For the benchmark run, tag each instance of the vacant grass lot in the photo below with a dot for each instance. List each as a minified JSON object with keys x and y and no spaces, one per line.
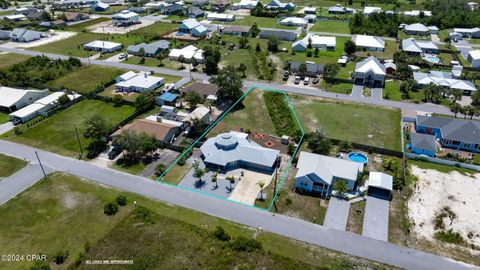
{"x":10,"y":165}
{"x":390,"y":48}
{"x":331,"y":27}
{"x":253,"y":116}
{"x":156,"y":30}
{"x":7,"y":59}
{"x":181,"y":237}
{"x":73,"y":46}
{"x":57,"y":133}
{"x":84,"y":25}
{"x":371,"y":125}
{"x":89,"y":76}
{"x":4,"y":117}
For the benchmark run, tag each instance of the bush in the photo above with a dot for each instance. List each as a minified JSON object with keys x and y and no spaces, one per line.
{"x":449,"y":236}
{"x":288,"y":201}
{"x":181,"y":161}
{"x":110,"y":208}
{"x":221,"y":234}
{"x":61,"y":257}
{"x":242,"y":243}
{"x":280,"y":114}
{"x":121,"y":200}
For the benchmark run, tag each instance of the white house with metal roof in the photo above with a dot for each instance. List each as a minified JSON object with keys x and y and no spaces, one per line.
{"x":367,"y":11}
{"x":419,"y":47}
{"x":233,"y":150}
{"x":192,"y":27}
{"x":294,"y":21}
{"x":380,"y":185}
{"x":12,"y":99}
{"x":187,"y":53}
{"x":316,"y":41}
{"x":417,"y":13}
{"x":125,"y":17}
{"x":474,"y":58}
{"x":25,"y":35}
{"x":370,"y":72}
{"x":467,"y":32}
{"x":339,"y":9}
{"x":137,"y":82}
{"x":369,"y":43}
{"x":102,"y":46}
{"x":318,"y":173}
{"x":245,"y":4}
{"x":416,"y":29}
{"x":444,"y":79}
{"x":222,"y":17}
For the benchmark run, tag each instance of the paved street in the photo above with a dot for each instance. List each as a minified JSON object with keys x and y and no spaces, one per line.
{"x":337,"y":214}
{"x":341,"y":241}
{"x":375,"y":221}
{"x":20,"y":181}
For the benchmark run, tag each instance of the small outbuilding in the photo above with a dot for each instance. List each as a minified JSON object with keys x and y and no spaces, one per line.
{"x":380,"y":185}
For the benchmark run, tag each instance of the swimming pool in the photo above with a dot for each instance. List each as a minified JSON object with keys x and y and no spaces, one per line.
{"x":357,"y":157}
{"x":432,"y":59}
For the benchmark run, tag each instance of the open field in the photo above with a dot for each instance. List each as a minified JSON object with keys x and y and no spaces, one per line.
{"x":10,"y":165}
{"x":4,"y":117}
{"x":331,"y":27}
{"x":57,"y":133}
{"x":156,"y":30}
{"x":390,"y":48}
{"x":84,"y":25}
{"x":78,"y":206}
{"x":262,"y":22}
{"x":90,"y":77}
{"x":359,"y":123}
{"x":7,"y":59}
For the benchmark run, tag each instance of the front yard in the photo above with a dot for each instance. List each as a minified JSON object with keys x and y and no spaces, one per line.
{"x":10,"y":165}
{"x":7,"y":59}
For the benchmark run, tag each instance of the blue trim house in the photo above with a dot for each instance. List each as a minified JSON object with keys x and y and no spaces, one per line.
{"x":423,"y":144}
{"x":452,"y":133}
{"x":276,"y":4}
{"x":167,"y":98}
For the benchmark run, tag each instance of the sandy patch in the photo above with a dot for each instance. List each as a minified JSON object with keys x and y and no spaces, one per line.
{"x":436,"y":190}
{"x":53,"y":38}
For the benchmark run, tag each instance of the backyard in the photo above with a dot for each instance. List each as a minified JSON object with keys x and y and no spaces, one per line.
{"x":57,"y":133}
{"x":10,"y":165}
{"x":78,"y":205}
{"x":353,"y":122}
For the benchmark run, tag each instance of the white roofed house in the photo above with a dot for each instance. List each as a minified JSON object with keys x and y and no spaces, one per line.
{"x":419,"y":47}
{"x":474,"y":58}
{"x":369,"y":43}
{"x":187,"y":53}
{"x":370,"y":72}
{"x":416,"y":13}
{"x":137,"y":82}
{"x":380,"y":185}
{"x":233,"y":150}
{"x":339,"y":9}
{"x":125,"y":18}
{"x":468,"y":32}
{"x":102,"y":46}
{"x":294,"y":21}
{"x":12,"y":99}
{"x":316,"y":41}
{"x":192,"y":27}
{"x":416,"y":29}
{"x":245,"y":4}
{"x":444,"y":79}
{"x":277,"y":4}
{"x":318,"y":173}
{"x":367,"y":11}
{"x":201,"y":113}
{"x":223,"y":17}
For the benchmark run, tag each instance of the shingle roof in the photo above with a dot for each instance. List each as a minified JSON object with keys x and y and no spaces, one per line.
{"x":453,"y":128}
{"x":423,"y":141}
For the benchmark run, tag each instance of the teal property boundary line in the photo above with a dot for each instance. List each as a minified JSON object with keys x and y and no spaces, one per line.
{"x":285,"y":174}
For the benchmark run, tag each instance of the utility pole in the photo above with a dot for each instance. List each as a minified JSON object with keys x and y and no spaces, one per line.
{"x":79,"y":143}
{"x":41,"y":166}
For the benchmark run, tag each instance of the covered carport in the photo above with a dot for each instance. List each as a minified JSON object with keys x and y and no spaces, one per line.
{"x":380,"y":185}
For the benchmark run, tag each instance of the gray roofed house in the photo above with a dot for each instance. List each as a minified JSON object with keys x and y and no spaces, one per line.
{"x":318,"y":173}
{"x":195,"y":12}
{"x":418,"y":47}
{"x":416,"y":29}
{"x":151,"y":50}
{"x":200,"y":3}
{"x":312,"y":69}
{"x":444,"y":79}
{"x":236,"y":30}
{"x":4,"y":34}
{"x":232,"y":150}
{"x":423,"y":144}
{"x":24,"y":35}
{"x":453,"y":133}
{"x":281,"y":34}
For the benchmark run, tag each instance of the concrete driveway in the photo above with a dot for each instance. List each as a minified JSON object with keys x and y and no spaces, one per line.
{"x":375,"y":221}
{"x":357,"y":91}
{"x":6,"y":127}
{"x":248,"y":189}
{"x":377,"y":93}
{"x":337,"y":214}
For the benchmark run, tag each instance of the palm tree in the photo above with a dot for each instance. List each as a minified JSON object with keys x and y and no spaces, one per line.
{"x":470,"y":110}
{"x":198,"y":173}
{"x":455,"y":108}
{"x":231,"y":179}
{"x":195,"y":164}
{"x":261,"y":184}
{"x":214,"y":179}
{"x":341,"y":186}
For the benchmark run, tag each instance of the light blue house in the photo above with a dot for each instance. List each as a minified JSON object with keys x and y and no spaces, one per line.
{"x":100,"y":7}
{"x":423,"y":144}
{"x":452,"y":133}
{"x":276,"y":4}
{"x":233,"y":150}
{"x":192,"y":27}
{"x":318,"y":173}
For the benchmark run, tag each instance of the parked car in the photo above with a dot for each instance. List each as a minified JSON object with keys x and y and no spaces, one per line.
{"x":297,"y":80}
{"x":316,"y":80}
{"x":286,"y":75}
{"x":306,"y":81}
{"x":116,"y":150}
{"x":123,"y":56}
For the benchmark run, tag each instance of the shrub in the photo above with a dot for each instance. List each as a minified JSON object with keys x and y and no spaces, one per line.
{"x":280,"y":114}
{"x":61,"y":257}
{"x":242,"y":243}
{"x":121,"y":200}
{"x":288,"y":201}
{"x":110,"y":208}
{"x":221,"y":234}
{"x":449,"y":236}
{"x":181,"y":161}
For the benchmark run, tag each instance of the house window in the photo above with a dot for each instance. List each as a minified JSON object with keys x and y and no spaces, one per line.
{"x":455,"y":142}
{"x":467,"y":145}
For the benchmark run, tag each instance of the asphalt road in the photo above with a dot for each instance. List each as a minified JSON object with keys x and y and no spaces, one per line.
{"x":428,"y":107}
{"x":341,"y":241}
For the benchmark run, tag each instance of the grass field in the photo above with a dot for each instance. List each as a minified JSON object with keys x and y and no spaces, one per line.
{"x":264,"y":22}
{"x":57,"y":133}
{"x":156,"y":30}
{"x":341,"y":88}
{"x":7,"y":59}
{"x":370,"y":125}
{"x":4,"y":117}
{"x":331,"y":27}
{"x":84,"y":25}
{"x":323,"y":56}
{"x":10,"y":165}
{"x":390,"y":48}
{"x":180,"y":237}
{"x":89,"y":76}
{"x":392,"y":91}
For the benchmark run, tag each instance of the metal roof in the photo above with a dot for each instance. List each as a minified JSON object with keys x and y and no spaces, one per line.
{"x":380,"y":180}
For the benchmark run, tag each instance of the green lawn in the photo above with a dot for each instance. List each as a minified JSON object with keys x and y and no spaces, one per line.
{"x":361,"y":123}
{"x":31,"y":221}
{"x":253,"y":116}
{"x":111,"y":10}
{"x":7,"y":59}
{"x":323,"y":56}
{"x":90,"y":76}
{"x":331,"y":27}
{"x":57,"y":133}
{"x":84,"y":25}
{"x":177,"y":18}
{"x":341,"y":88}
{"x":390,"y":48}
{"x":440,"y":167}
{"x":6,"y":12}
{"x":264,"y":22}
{"x":156,"y":30}
{"x":392,"y":90}
{"x":10,"y":165}
{"x":73,"y":46}
{"x":4,"y":117}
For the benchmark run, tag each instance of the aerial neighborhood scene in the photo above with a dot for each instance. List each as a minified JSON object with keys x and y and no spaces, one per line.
{"x":239,"y":134}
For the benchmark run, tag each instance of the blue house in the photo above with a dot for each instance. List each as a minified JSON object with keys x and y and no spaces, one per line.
{"x":452,"y":133}
{"x":167,"y":98}
{"x":276,"y":4}
{"x":100,"y":7}
{"x":423,"y":144}
{"x":193,"y":27}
